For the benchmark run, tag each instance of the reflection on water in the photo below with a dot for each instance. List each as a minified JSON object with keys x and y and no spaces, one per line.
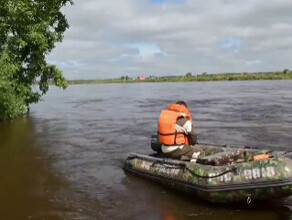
{"x":65,"y":159}
{"x":28,"y":187}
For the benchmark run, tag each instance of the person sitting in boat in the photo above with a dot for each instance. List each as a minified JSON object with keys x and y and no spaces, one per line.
{"x":176,"y":133}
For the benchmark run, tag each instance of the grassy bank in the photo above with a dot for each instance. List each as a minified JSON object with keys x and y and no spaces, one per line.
{"x":199,"y":78}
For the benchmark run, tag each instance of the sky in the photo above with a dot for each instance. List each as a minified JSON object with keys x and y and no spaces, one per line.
{"x":114,"y":38}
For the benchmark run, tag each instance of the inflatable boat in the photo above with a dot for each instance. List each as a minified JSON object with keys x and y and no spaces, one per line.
{"x":224,"y":175}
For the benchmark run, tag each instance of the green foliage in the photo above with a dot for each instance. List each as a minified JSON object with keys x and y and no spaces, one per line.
{"x":200,"y":78}
{"x":285,"y":71}
{"x":11,"y":104}
{"x":189,"y":74}
{"x":29,"y":30}
{"x":124,"y":78}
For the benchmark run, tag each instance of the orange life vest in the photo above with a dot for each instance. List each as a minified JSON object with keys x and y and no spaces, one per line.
{"x":167,"y":133}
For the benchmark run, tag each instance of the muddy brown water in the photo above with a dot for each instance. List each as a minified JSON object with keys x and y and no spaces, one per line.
{"x":63,"y":160}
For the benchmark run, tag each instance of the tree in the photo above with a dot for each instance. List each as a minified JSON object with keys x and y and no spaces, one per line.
{"x":29,"y":30}
{"x":285,"y":71}
{"x":189,"y":74}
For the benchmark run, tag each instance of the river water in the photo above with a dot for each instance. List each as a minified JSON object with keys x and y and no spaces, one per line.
{"x":64,"y":160}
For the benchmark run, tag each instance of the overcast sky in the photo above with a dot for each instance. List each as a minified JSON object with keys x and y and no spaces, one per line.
{"x":111,"y":38}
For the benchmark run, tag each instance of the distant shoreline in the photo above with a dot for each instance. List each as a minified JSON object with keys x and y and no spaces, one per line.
{"x":285,"y":75}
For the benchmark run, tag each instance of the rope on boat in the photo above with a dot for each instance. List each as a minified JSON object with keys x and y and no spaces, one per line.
{"x":232,"y":169}
{"x":185,"y":167}
{"x":287,"y":152}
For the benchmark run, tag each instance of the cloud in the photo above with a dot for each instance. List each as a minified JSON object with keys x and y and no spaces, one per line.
{"x":146,"y":50}
{"x":112,"y":38}
{"x":254,"y":62}
{"x":167,"y":1}
{"x":231,"y":44}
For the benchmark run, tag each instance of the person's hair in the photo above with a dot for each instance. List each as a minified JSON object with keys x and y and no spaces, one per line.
{"x":182,"y":103}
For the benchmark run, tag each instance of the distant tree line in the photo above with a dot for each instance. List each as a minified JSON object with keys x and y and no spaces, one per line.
{"x":189,"y":77}
{"x":124,"y":77}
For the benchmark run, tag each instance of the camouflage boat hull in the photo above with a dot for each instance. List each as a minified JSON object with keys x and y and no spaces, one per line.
{"x":241,"y":181}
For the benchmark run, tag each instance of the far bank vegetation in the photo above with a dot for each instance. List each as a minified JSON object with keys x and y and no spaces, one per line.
{"x":286,"y":74}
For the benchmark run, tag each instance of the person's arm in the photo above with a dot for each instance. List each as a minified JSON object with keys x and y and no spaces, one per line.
{"x":189,"y":130}
{"x":192,"y":137}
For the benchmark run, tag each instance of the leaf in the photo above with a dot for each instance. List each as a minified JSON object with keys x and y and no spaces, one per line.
{"x":29,"y":30}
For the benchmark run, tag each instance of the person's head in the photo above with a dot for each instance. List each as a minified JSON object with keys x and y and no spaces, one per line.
{"x":182,"y":103}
